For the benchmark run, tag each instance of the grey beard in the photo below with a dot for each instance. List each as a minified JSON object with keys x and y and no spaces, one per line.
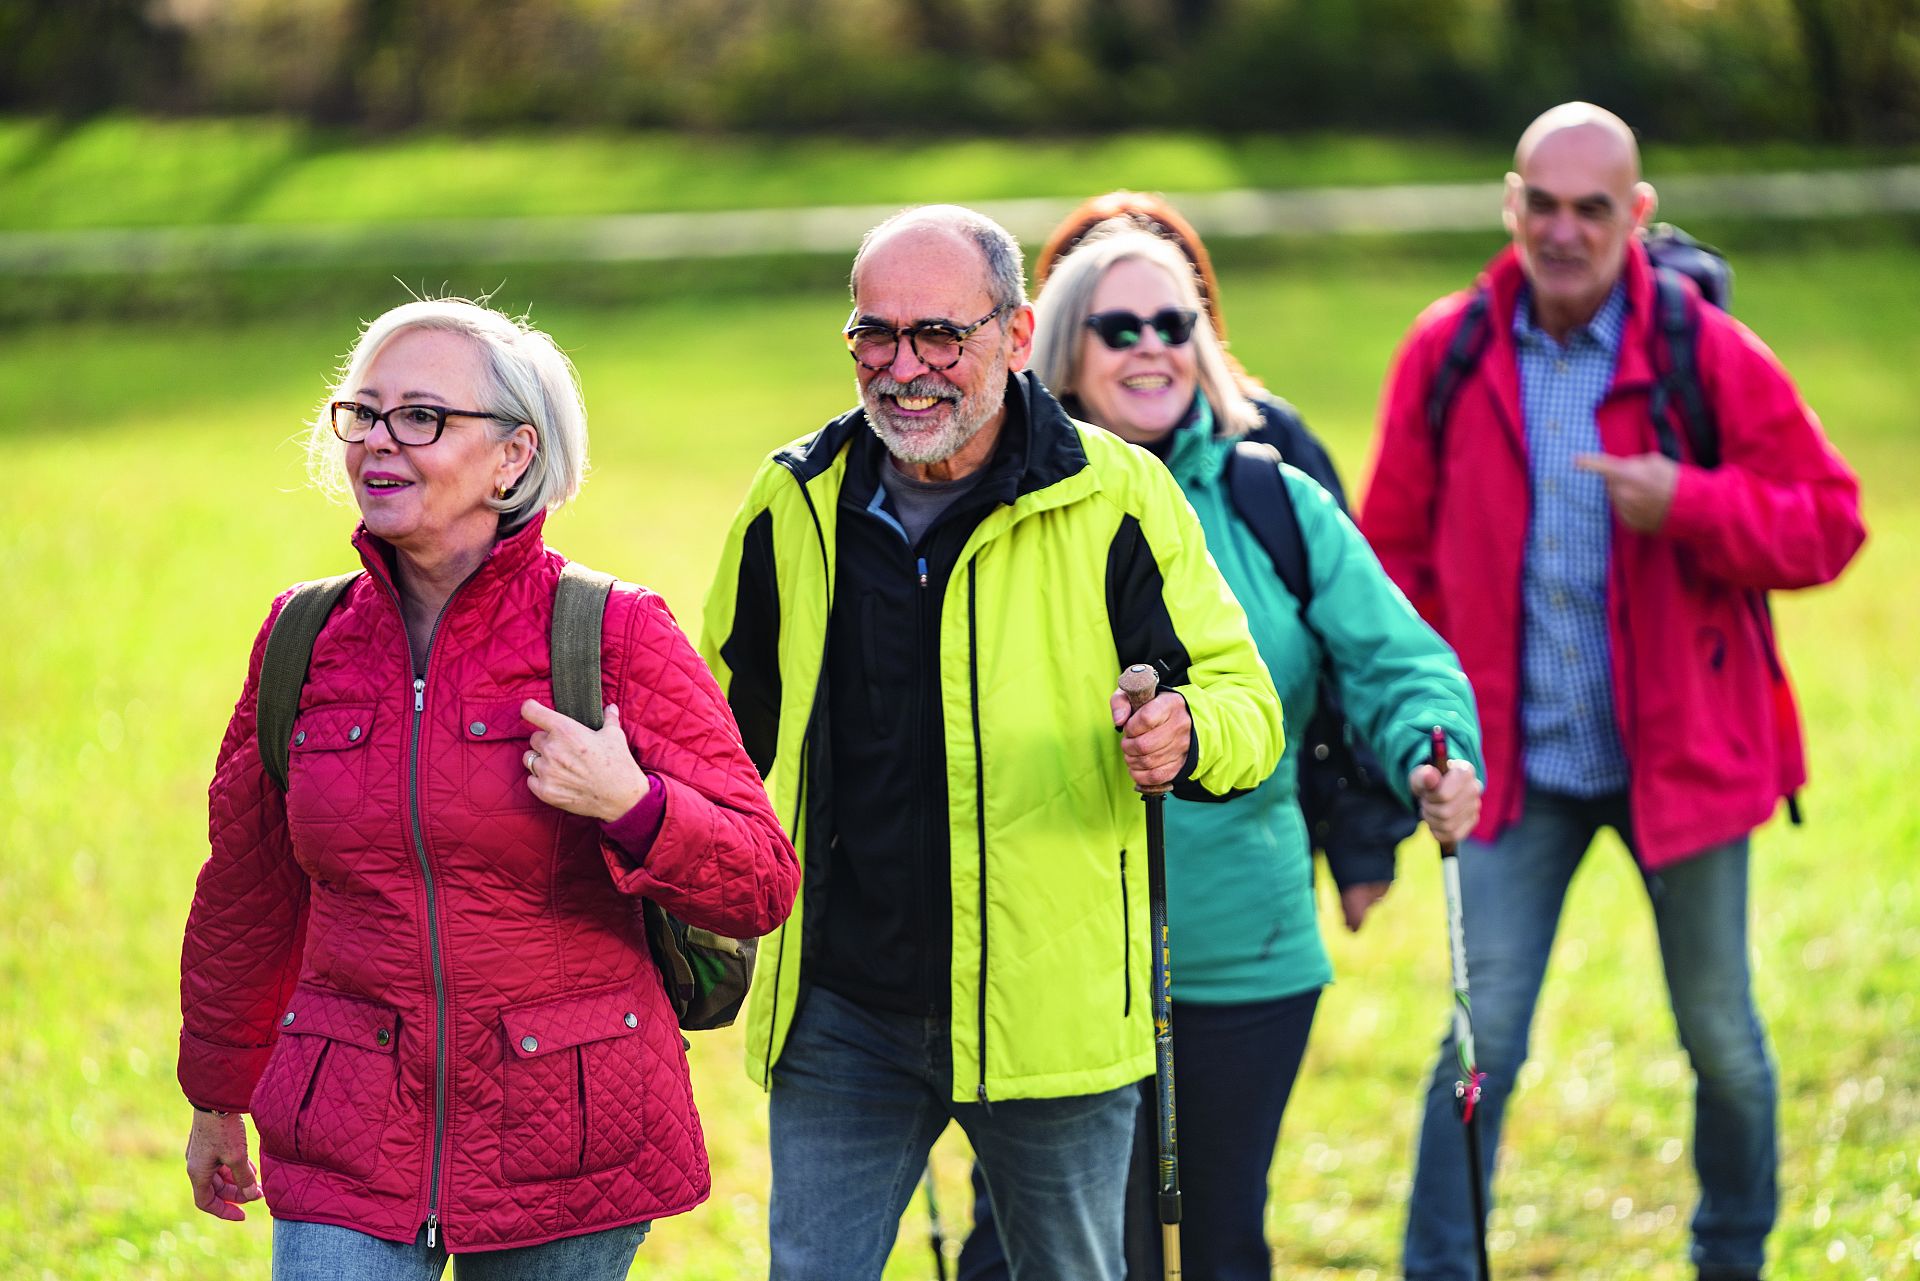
{"x":970,"y":413}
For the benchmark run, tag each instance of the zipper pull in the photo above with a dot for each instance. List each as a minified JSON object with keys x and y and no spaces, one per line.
{"x":433,"y":1230}
{"x":923,"y":571}
{"x":981,"y":1094}
{"x":420,"y":700}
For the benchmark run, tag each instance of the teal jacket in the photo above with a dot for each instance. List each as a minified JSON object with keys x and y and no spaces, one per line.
{"x":1243,"y":928}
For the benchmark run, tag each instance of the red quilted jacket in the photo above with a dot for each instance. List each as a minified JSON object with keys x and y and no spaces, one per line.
{"x":426,"y":985}
{"x":1701,"y":700}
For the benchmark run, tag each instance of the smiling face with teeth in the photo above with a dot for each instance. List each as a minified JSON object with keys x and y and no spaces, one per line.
{"x":430,"y":501}
{"x":1144,"y":392}
{"x":937,"y":424}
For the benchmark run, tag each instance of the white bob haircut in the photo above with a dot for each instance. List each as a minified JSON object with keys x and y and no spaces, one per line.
{"x":1060,"y":318}
{"x":528,"y":379}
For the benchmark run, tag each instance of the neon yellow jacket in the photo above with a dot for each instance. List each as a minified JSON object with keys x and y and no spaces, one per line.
{"x":1097,"y":561}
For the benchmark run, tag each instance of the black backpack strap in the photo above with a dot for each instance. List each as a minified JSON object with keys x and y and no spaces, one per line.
{"x":283,"y":668}
{"x":1677,"y":378}
{"x":1282,"y":427}
{"x":579,"y":609}
{"x":1259,"y":493}
{"x":1463,"y":353}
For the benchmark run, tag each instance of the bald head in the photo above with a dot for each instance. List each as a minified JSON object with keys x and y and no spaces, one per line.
{"x":1001,"y":267}
{"x":1604,"y":134}
{"x":1574,"y":202}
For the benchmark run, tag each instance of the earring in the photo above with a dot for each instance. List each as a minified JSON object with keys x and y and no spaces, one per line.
{"x":499,"y":491}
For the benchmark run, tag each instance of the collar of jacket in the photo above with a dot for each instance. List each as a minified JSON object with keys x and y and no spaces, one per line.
{"x":1503,"y":277}
{"x":511,"y":553}
{"x":1046,"y":458}
{"x":1197,"y":454}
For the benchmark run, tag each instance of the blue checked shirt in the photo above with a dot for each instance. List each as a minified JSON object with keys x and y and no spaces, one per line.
{"x":1571,"y":742}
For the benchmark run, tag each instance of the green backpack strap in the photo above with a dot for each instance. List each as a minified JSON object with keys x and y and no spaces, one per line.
{"x":283,"y":670}
{"x":579,"y":609}
{"x":706,"y":974}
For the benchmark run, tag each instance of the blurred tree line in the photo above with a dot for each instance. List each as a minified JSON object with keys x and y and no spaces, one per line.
{"x":1839,"y":70}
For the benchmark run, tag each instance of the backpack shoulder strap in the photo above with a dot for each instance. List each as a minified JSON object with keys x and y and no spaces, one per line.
{"x":283,"y":668}
{"x":1463,"y":353}
{"x":579,"y":610}
{"x":1677,"y":325}
{"x":1259,"y":493}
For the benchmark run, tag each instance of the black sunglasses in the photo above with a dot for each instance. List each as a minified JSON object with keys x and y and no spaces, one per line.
{"x":1123,"y":329}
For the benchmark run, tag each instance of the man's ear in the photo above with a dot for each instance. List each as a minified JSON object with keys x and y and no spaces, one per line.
{"x":1020,"y":330}
{"x":1645,"y":202}
{"x":1510,"y":204}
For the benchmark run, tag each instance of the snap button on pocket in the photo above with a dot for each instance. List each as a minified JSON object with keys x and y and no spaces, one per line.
{"x":529,"y":1043}
{"x":632,"y":1020}
{"x":300,"y":738}
{"x":477,"y":729}
{"x":382,"y":1036}
{"x":286,"y":1020}
{"x":353,"y":735}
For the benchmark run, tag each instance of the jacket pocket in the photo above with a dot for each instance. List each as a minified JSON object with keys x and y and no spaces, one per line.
{"x":327,"y":762}
{"x":328,"y":1090}
{"x":576,"y":1084}
{"x":493,"y":752}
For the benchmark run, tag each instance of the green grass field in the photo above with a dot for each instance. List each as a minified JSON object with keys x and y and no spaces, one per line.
{"x":127,"y":172}
{"x":159,"y":504}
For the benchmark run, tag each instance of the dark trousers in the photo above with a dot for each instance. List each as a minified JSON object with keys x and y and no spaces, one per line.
{"x":1234,"y":1068}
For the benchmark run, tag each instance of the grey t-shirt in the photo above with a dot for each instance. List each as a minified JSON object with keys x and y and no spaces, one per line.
{"x":916,"y":504}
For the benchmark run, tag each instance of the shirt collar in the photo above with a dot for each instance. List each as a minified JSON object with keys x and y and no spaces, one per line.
{"x":1604,"y":329}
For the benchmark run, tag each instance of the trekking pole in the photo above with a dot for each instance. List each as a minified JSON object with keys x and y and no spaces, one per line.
{"x":1140,"y":683}
{"x":935,"y":1237}
{"x":1466,"y":1090}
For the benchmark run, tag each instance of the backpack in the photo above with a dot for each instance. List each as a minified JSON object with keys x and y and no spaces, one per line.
{"x":1676,"y":331}
{"x":1351,"y":808}
{"x":706,"y":974}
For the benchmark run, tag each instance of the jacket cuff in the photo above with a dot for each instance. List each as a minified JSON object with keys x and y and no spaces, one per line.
{"x":1690,"y":513}
{"x":633,"y":833}
{"x":218,"y":1076}
{"x":1350,"y":867}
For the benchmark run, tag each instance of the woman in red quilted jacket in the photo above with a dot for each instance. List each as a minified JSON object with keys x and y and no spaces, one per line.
{"x":418,"y":966}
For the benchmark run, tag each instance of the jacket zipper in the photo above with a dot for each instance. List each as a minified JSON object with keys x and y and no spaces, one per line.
{"x":1126,"y":943}
{"x":806,"y":742}
{"x":433,"y":908}
{"x":920,"y":740}
{"x":980,"y":822}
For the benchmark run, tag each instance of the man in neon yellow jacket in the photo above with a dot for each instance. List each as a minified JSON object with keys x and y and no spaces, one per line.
{"x":918,"y":620}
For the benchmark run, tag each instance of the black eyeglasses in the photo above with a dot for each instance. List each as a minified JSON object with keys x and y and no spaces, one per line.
{"x":407,"y":424}
{"x":935,"y":343}
{"x":1121,"y":330}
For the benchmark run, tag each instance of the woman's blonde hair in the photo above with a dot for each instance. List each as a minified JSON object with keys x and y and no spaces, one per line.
{"x":1066,"y":300}
{"x":528,"y":379}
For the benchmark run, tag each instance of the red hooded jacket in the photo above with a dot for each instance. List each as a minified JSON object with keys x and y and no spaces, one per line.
{"x":428,"y":986}
{"x":1704,"y":710}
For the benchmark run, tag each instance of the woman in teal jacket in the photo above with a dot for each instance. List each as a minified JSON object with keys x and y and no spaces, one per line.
{"x":1123,"y":338}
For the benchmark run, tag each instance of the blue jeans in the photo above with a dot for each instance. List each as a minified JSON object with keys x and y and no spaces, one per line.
{"x":323,"y":1252}
{"x":860,"y":1095}
{"x":1234,"y":1066}
{"x":1512,"y":892}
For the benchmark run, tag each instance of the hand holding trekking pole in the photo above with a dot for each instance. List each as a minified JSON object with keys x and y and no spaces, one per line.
{"x":1138,"y":686}
{"x":1448,"y":793}
{"x":1436,"y":774}
{"x":1155,"y":732}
